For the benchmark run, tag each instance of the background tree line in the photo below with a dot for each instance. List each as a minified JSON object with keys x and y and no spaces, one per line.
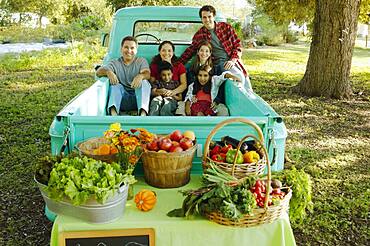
{"x":333,"y":25}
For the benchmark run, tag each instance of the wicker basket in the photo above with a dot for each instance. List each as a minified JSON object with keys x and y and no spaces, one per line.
{"x":264,"y":215}
{"x":87,"y":148}
{"x":237,"y":170}
{"x":168,"y":170}
{"x":259,"y":216}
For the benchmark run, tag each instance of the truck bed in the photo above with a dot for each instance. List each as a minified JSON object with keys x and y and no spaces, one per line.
{"x":85,"y":117}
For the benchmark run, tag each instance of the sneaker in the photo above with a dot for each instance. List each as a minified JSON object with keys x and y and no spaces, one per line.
{"x":143,"y":113}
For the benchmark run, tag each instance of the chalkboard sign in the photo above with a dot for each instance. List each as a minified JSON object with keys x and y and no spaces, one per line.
{"x":124,"y":237}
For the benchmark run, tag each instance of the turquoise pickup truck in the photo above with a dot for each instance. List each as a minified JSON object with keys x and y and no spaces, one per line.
{"x":85,"y":116}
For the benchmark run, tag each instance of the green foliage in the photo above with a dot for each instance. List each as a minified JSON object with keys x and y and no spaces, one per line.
{"x":79,"y":178}
{"x":270,"y":34}
{"x":77,"y":31}
{"x":59,"y":11}
{"x":117,"y":4}
{"x":237,"y":25}
{"x":364,"y":12}
{"x":283,"y":11}
{"x":76,"y":56}
{"x":218,"y":196}
{"x":301,"y":185}
{"x":44,"y":167}
{"x":301,"y":11}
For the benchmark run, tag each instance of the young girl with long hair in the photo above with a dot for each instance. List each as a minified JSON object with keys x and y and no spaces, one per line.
{"x":201,"y":95}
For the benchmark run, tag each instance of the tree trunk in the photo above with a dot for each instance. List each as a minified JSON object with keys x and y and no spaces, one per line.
{"x":40,"y":20}
{"x":329,"y":63}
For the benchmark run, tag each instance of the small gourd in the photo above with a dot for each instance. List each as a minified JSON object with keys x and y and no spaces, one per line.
{"x":145,"y":200}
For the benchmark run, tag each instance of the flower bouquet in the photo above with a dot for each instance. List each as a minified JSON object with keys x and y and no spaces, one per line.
{"x":130,"y":144}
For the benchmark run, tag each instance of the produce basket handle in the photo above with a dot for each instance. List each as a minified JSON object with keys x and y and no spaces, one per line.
{"x":259,"y":139}
{"x":224,"y":123}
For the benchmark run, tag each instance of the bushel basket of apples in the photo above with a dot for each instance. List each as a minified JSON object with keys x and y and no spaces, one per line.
{"x":238,"y":158}
{"x":168,"y":159}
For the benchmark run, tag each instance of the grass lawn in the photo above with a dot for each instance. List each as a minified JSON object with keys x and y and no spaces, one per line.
{"x":330,"y":139}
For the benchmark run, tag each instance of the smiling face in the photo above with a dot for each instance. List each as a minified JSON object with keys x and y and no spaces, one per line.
{"x":204,"y":53}
{"x":166,"y":75}
{"x":208,"y":20}
{"x":129,"y":50}
{"x":166,"y":53}
{"x":203,"y":77}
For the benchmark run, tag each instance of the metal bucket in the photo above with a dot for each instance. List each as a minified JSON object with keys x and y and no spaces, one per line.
{"x":91,"y":211}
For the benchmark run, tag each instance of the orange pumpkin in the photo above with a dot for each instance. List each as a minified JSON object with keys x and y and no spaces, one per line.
{"x":103,"y":149}
{"x":145,"y":200}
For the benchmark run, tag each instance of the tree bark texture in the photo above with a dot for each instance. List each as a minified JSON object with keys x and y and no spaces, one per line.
{"x":329,"y":63}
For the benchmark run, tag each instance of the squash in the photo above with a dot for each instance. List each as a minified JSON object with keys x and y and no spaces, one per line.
{"x":145,"y":200}
{"x":113,"y":150}
{"x":103,"y":149}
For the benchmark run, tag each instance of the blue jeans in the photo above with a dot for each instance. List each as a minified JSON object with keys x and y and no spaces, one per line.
{"x":127,"y":100}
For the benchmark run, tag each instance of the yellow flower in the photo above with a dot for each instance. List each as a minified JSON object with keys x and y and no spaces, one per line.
{"x":145,"y":136}
{"x":109,"y":134}
{"x":115,"y":127}
{"x":133,"y":159}
{"x":115,"y":141}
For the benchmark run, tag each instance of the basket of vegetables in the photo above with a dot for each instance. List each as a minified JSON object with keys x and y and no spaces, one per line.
{"x":98,"y":148}
{"x":228,"y":200}
{"x":238,"y":158}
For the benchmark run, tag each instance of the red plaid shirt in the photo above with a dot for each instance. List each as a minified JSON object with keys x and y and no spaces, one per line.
{"x":227,"y":37}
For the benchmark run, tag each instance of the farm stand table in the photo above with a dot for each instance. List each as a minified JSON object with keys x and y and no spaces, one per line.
{"x":179,"y":231}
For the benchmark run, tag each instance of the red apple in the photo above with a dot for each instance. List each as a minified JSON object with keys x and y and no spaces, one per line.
{"x":186,"y":143}
{"x":165,"y":144}
{"x":153,"y":146}
{"x":175,"y":143}
{"x":176,"y":149}
{"x":176,"y":136}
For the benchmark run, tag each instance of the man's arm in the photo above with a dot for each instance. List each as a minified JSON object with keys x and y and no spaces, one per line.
{"x":144,"y":74}
{"x":102,"y":71}
{"x":189,"y":52}
{"x":236,"y":52}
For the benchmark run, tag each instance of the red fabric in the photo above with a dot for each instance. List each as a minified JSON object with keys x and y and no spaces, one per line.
{"x":201,"y":106}
{"x":202,"y":96}
{"x":227,"y":36}
{"x":177,"y":70}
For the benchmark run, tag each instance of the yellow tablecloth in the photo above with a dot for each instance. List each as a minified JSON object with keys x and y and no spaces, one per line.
{"x":180,"y":231}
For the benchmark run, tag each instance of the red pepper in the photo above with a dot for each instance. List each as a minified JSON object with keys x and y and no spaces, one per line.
{"x":216,"y":150}
{"x":226,"y":148}
{"x":217,"y":157}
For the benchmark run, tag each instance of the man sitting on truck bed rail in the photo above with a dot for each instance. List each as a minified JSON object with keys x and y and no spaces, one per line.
{"x":129,"y":86}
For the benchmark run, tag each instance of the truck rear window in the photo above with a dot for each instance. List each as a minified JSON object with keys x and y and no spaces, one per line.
{"x":155,"y":31}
